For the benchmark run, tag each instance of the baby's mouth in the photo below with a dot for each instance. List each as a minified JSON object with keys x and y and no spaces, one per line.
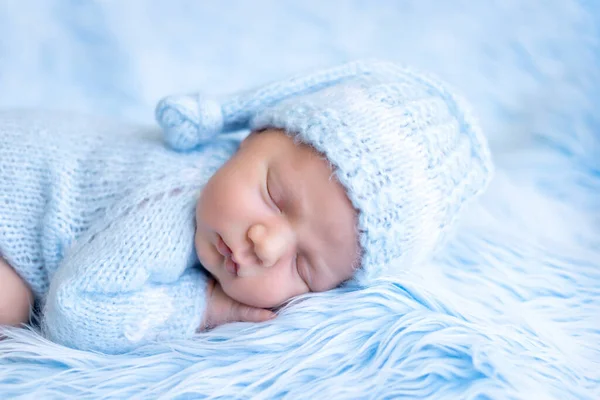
{"x":230,"y":265}
{"x":222,"y":247}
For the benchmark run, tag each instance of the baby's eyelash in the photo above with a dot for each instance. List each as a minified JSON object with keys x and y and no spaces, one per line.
{"x":271,"y":198}
{"x":304,"y":278}
{"x":297,"y":265}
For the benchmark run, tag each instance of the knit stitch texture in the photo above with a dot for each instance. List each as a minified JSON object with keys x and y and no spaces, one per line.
{"x":114,"y":208}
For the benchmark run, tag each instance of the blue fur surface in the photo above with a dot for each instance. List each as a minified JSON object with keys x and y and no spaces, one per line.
{"x":511,"y":309}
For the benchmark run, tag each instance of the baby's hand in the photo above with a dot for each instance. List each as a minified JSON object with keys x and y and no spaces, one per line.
{"x":222,"y":309}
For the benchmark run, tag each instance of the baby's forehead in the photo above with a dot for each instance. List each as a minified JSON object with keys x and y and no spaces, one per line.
{"x":278,"y":142}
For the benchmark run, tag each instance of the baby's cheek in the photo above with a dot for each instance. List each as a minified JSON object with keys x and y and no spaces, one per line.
{"x":207,"y":254}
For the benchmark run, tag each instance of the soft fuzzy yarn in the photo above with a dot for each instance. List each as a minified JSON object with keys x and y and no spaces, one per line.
{"x":114,"y":208}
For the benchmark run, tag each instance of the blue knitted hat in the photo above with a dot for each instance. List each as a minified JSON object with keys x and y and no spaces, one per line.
{"x":406,"y":148}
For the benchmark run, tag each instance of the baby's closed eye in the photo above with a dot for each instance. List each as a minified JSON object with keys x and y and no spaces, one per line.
{"x":274,"y":193}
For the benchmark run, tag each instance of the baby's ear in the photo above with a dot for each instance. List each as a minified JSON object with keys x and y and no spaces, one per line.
{"x":189,"y":121}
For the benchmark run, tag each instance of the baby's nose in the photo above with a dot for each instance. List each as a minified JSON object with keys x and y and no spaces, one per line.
{"x":270,"y":244}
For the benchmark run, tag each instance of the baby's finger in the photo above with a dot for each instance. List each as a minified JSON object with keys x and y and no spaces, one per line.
{"x":253,"y":314}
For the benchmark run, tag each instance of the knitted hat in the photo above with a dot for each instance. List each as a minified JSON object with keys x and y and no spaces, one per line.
{"x":406,"y":148}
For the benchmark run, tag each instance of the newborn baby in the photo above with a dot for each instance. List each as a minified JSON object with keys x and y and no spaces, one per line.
{"x":351,"y":173}
{"x":293,"y":233}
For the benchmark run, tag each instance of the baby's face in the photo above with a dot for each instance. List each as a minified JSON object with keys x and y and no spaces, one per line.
{"x":274,"y":223}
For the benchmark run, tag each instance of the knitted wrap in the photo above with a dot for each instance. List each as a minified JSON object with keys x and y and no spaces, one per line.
{"x":405,"y":147}
{"x":98,"y":218}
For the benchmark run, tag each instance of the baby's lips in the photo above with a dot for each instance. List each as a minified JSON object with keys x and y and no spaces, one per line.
{"x":222,"y":247}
